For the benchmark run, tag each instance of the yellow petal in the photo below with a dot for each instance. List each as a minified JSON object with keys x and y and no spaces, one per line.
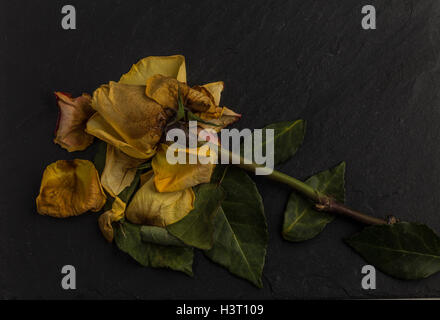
{"x":170,"y":66}
{"x":72,"y":117}
{"x":127,"y":118}
{"x":99,"y":128}
{"x":150,"y":207}
{"x":220,"y":116}
{"x":164,"y":90}
{"x":220,"y":123}
{"x":119,"y":171}
{"x":174,"y":177}
{"x":215,"y":88}
{"x":70,"y":188}
{"x":230,"y":113}
{"x":227,"y":117}
{"x":107,"y":218}
{"x":199,"y":99}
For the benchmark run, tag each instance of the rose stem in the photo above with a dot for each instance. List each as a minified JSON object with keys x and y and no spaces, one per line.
{"x":322,"y":201}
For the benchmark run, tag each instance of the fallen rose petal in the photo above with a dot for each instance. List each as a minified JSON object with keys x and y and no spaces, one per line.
{"x":169,"y":66}
{"x":70,"y":188}
{"x":150,"y":207}
{"x":72,"y":118}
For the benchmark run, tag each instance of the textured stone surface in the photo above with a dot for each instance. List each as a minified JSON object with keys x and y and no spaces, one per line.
{"x":370,"y":98}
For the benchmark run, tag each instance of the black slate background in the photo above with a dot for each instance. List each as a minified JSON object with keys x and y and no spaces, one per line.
{"x":370,"y":98}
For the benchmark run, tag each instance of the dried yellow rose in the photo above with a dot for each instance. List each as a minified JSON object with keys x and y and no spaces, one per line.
{"x":125,"y":117}
{"x":70,"y":188}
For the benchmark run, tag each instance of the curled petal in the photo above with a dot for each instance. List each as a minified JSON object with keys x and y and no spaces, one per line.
{"x":165,"y":90}
{"x":227,"y":117}
{"x":98,"y":127}
{"x":220,"y":116}
{"x":107,"y":218}
{"x":119,"y":171}
{"x":230,"y":113}
{"x":170,"y":66}
{"x":70,"y":188}
{"x":215,"y":89}
{"x":174,"y":177}
{"x":127,"y":118}
{"x":150,"y":207}
{"x":199,"y":99}
{"x":72,"y":118}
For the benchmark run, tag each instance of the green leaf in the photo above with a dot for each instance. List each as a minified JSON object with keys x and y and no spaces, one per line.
{"x":301,"y":220}
{"x":160,"y":236}
{"x":99,"y":160}
{"x":403,"y":250}
{"x":288,"y":137}
{"x":126,"y":194}
{"x":128,"y":239}
{"x":197,"y":228}
{"x":240,"y":237}
{"x":181,"y":111}
{"x":218,"y":173}
{"x":144,"y":166}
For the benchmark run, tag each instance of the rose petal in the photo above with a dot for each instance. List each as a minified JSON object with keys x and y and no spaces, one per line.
{"x":216,"y":89}
{"x":174,"y":177}
{"x":164,"y":90}
{"x":99,"y":128}
{"x":170,"y":66}
{"x":72,"y":119}
{"x":119,"y":171}
{"x":220,"y":116}
{"x":199,"y":99}
{"x":106,"y":219}
{"x":127,"y":118}
{"x":226,"y":118}
{"x":150,"y":207}
{"x":70,"y":188}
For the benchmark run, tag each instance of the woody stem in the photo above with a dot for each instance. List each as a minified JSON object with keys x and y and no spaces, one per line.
{"x":322,"y":201}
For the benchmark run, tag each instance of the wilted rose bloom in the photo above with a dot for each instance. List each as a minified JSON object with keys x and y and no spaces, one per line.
{"x":131,"y":116}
